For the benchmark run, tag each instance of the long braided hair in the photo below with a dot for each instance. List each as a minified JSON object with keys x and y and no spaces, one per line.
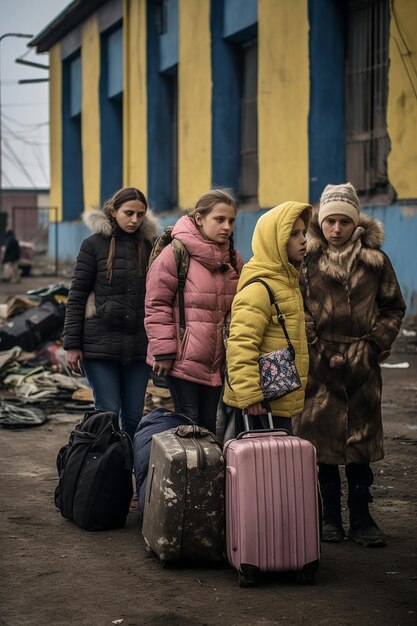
{"x":206,"y":203}
{"x":121,"y":196}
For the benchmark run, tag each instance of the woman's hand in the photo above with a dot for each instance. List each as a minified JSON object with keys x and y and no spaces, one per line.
{"x":75,"y":361}
{"x":161,"y":368}
{"x":256,"y":409}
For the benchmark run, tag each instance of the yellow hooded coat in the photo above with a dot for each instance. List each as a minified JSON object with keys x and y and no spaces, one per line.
{"x":254,"y":328}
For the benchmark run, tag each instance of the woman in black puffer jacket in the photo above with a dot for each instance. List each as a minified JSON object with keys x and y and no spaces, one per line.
{"x":104,"y":333}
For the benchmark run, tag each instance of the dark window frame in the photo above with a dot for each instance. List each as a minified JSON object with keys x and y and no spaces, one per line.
{"x":111,"y":115}
{"x":249,"y":167}
{"x":366,"y":98}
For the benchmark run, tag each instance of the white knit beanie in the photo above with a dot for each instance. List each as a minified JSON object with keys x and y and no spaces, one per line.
{"x":341,"y":200}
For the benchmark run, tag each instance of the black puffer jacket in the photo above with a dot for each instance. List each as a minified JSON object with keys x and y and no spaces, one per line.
{"x":105,"y":320}
{"x":12,"y":250}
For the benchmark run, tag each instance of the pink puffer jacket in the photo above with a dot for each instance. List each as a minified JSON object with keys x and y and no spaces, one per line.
{"x":208,"y":295}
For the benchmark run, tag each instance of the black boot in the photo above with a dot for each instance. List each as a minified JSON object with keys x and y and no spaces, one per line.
{"x":332,"y":528}
{"x":363,"y":528}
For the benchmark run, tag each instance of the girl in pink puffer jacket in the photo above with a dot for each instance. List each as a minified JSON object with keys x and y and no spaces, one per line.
{"x":193,"y":365}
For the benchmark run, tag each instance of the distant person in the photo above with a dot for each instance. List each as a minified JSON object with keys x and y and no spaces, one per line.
{"x":104,"y":332}
{"x":11,"y":271}
{"x":193,"y":364}
{"x":353,"y":308}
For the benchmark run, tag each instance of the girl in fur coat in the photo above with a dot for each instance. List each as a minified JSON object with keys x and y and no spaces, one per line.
{"x":353,"y":308}
{"x":104,"y":332}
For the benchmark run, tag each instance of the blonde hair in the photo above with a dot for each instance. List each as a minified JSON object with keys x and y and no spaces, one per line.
{"x":121,"y":196}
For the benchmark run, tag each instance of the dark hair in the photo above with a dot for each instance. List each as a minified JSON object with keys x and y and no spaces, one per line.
{"x":206,"y":203}
{"x":126,"y":194}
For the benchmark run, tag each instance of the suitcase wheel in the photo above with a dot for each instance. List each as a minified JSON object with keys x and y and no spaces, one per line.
{"x":306,"y":575}
{"x":305,"y":578}
{"x":247,"y":575}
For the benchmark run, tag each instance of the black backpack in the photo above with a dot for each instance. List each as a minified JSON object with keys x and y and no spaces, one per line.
{"x":95,"y":473}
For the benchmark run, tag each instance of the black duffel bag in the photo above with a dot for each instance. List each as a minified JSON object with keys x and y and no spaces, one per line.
{"x":95,"y":473}
{"x":33,"y":327}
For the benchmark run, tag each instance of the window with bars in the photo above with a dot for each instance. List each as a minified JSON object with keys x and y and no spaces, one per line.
{"x":367,"y":141}
{"x":248,"y":184}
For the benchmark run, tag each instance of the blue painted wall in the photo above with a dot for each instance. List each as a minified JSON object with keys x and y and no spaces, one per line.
{"x":114,"y":52}
{"x":111,"y":113}
{"x":70,"y":236}
{"x":327,"y":93}
{"x":74,"y":66}
{"x":168,"y":41}
{"x":240,"y":19}
{"x":400,"y":226}
{"x":72,"y":176}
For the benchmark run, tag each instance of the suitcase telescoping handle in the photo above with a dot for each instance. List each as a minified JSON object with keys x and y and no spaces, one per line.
{"x":268,"y":431}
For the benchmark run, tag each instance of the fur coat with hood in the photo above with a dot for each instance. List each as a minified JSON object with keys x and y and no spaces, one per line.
{"x":254,"y":328}
{"x":209,"y":289}
{"x":106,"y":319}
{"x":354,"y":309}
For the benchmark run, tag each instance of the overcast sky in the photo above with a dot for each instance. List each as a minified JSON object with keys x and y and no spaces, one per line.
{"x":24,"y":108}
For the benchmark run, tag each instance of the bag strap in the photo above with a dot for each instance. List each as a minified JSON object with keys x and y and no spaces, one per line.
{"x":273,"y":302}
{"x":182,"y":259}
{"x":196,"y":432}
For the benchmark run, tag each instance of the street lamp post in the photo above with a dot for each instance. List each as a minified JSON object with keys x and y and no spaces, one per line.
{"x":20,"y":35}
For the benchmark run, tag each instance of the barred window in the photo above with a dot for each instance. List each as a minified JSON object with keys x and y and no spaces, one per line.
{"x":367,"y":141}
{"x":248,"y":185}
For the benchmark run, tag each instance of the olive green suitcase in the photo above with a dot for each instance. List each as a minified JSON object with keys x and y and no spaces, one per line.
{"x":184,"y":506}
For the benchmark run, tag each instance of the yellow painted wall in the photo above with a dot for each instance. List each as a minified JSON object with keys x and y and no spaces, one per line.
{"x":55,"y":130}
{"x":135,"y":171}
{"x":90,"y":111}
{"x":283,"y":101}
{"x":194,"y":101}
{"x":402,"y":101}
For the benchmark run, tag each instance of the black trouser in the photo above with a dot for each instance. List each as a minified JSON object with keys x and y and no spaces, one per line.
{"x":356,"y":474}
{"x":196,"y":401}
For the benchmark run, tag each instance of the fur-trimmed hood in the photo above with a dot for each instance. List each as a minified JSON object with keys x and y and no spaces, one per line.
{"x":364,"y":246}
{"x":98,"y":222}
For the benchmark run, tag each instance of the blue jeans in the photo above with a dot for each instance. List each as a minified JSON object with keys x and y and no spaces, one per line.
{"x":196,"y":401}
{"x":119,"y":388}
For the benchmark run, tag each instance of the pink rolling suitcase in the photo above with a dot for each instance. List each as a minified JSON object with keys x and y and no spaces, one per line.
{"x":272,"y":505}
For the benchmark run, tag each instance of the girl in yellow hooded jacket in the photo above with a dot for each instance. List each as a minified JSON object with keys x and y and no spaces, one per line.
{"x":278,"y":245}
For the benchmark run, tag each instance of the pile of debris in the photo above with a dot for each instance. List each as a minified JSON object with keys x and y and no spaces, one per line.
{"x":32,"y":388}
{"x":34,"y":379}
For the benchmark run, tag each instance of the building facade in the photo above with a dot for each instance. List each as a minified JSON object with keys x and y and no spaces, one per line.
{"x":272,"y":98}
{"x":25,"y":211}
